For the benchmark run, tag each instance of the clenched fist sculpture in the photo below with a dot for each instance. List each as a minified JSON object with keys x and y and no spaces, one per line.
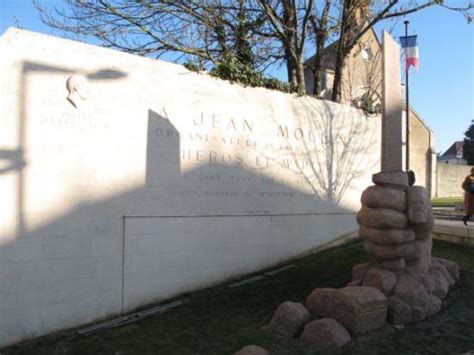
{"x":396,"y":221}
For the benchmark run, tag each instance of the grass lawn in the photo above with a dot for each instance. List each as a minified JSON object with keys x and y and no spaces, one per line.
{"x":222,"y":320}
{"x":446,"y":201}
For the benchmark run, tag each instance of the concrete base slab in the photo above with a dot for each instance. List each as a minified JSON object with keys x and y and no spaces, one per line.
{"x":454,"y":232}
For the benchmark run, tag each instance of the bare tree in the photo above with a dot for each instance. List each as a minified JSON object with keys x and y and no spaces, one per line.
{"x":288,"y":20}
{"x":351,"y":29}
{"x":259,"y":33}
{"x":321,"y":30}
{"x":207,"y":31}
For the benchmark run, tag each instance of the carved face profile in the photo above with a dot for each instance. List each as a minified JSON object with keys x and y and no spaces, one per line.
{"x":78,"y":88}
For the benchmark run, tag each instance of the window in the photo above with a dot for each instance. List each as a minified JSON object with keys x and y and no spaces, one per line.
{"x":367,"y":54}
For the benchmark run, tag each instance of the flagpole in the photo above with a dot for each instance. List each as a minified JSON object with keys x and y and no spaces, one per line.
{"x":407,"y":109}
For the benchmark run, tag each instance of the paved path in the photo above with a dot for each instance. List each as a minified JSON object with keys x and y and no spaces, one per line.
{"x":455,"y":223}
{"x":454,"y":231}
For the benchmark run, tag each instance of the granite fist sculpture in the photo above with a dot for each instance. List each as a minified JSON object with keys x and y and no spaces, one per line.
{"x":396,"y":221}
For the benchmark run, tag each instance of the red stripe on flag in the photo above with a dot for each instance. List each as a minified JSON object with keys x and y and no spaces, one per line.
{"x":411,"y":61}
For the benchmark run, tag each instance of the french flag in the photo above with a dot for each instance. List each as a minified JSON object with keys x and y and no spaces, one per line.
{"x":410,"y":48}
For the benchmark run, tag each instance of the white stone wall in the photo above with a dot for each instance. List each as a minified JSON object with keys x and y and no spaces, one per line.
{"x":450,"y":178}
{"x":161,"y":181}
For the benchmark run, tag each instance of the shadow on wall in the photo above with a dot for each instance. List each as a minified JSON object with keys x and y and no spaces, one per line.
{"x":14,"y":159}
{"x":182,"y":229}
{"x":332,"y":151}
{"x":342,"y":151}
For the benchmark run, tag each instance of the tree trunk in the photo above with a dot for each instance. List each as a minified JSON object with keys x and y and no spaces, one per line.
{"x":317,"y":67}
{"x":320,"y":28}
{"x":290,"y":45}
{"x":337,"y":85}
{"x":291,"y":68}
{"x":300,"y":75}
{"x":342,"y":51}
{"x":295,"y":67}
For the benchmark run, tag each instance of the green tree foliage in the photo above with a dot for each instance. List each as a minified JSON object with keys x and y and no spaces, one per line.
{"x":235,"y":71}
{"x":468,"y":148}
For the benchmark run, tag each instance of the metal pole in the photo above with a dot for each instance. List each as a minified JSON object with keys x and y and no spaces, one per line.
{"x":123,"y":263}
{"x":407,"y":109}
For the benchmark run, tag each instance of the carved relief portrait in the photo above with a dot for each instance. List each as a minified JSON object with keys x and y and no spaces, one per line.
{"x":78,"y":88}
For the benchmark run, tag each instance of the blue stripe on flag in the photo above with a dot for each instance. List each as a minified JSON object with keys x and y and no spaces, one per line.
{"x":408,"y":41}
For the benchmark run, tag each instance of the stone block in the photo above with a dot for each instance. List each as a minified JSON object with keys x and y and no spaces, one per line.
{"x":288,"y":320}
{"x":418,"y":313}
{"x":359,"y":309}
{"x":398,"y":311}
{"x":441,"y":284}
{"x":384,"y":197}
{"x":252,"y":350}
{"x":435,"y":305}
{"x":427,"y":280}
{"x":325,"y":332}
{"x":381,"y":279}
{"x":450,"y":266}
{"x":358,"y":272}
{"x":401,"y":313}
{"x":319,"y":300}
{"x":416,"y":296}
{"x":440,"y":267}
{"x":410,"y":291}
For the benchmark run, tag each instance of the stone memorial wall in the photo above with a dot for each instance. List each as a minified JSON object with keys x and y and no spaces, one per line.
{"x":126,"y":181}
